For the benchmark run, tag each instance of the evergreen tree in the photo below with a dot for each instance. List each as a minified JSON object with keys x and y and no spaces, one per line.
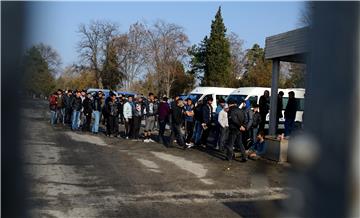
{"x":111,"y":75}
{"x":38,"y":78}
{"x":218,"y":58}
{"x":198,"y":54}
{"x":258,"y":69}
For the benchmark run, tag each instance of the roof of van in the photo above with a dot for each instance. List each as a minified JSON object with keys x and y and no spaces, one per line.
{"x":249,"y":90}
{"x":212,"y":90}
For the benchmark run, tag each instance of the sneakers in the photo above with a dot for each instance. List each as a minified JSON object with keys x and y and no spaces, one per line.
{"x":146,"y":140}
{"x":150,"y":140}
{"x":189,"y":145}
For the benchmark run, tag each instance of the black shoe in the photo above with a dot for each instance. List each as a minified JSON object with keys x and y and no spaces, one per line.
{"x":243,"y":160}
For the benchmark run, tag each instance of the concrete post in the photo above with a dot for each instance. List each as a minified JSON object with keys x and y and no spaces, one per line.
{"x":273,"y":98}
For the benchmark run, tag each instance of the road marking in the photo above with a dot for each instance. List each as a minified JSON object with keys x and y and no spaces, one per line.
{"x":87,"y":138}
{"x":195,"y":168}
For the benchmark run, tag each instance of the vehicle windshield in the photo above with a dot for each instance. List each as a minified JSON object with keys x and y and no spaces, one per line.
{"x":237,"y":98}
{"x":194,"y":97}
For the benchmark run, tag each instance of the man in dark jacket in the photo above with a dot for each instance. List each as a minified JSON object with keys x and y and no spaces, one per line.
{"x":279,"y":109}
{"x":112,"y":110}
{"x":237,"y":126}
{"x":96,"y":108}
{"x":76,"y":106}
{"x":207,"y":120}
{"x":163,"y":118}
{"x":198,"y":121}
{"x":177,"y":117}
{"x":264,"y":105}
{"x":87,"y":104}
{"x":290,"y":114}
{"x":138,"y":112}
{"x":151,"y":109}
{"x":67,"y":104}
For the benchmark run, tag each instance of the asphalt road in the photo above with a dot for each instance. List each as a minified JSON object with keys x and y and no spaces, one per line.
{"x":75,"y":174}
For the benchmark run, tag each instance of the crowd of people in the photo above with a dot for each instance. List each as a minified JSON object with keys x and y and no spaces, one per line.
{"x":232,"y":125}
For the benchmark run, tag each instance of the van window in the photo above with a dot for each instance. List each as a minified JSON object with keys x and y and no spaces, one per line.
{"x":207,"y":97}
{"x":253,"y":100}
{"x":218,"y":97}
{"x":299,"y":102}
{"x":237,"y":98}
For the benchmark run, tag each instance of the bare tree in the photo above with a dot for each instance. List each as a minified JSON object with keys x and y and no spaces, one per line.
{"x":131,"y":53}
{"x":93,"y":43}
{"x":167,"y":45}
{"x":51,"y":56}
{"x":237,"y":54}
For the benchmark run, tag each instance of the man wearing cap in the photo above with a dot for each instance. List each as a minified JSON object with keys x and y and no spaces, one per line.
{"x":237,"y":126}
{"x":189,"y":122}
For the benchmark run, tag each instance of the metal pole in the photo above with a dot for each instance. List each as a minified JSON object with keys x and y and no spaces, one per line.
{"x":273,"y":97}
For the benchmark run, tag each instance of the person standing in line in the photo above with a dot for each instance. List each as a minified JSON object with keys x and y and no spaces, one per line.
{"x":220,"y":106}
{"x":137,"y":116}
{"x":177,"y":113}
{"x":67,"y":103}
{"x":256,"y":122}
{"x":290,"y":114}
{"x":128,"y":114}
{"x":207,"y":118}
{"x":112,"y":109}
{"x":60,"y":107}
{"x":52,"y":106}
{"x":82,"y":115}
{"x":122,"y":101}
{"x":279,"y":109}
{"x":198,"y":117}
{"x":246,"y":109}
{"x":189,"y":122}
{"x":237,"y":126}
{"x":163,"y":118}
{"x":264,"y":105}
{"x":96,"y":107}
{"x":87,"y":105}
{"x":76,"y":106}
{"x":224,"y":127}
{"x":151,"y":109}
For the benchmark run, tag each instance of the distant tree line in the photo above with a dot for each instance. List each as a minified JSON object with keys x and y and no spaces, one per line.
{"x":155,"y":57}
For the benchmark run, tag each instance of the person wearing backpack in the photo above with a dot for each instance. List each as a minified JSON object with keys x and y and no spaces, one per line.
{"x":52,"y":107}
{"x":237,"y":126}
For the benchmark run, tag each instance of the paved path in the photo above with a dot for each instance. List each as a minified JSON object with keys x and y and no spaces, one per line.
{"x":74,"y":174}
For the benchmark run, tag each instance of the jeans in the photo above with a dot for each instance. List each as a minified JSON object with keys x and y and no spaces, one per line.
{"x":235,"y":140}
{"x":162,"y":125}
{"x":95,"y":127}
{"x":128,"y":124}
{"x":197,"y":133}
{"x":289,"y":126}
{"x":60,"y":113}
{"x":176,"y":133}
{"x":224,"y":135}
{"x":75,"y":120}
{"x":189,"y":125}
{"x":52,"y":117}
{"x":254,"y":134}
{"x":112,"y":125}
{"x":136,"y":127}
